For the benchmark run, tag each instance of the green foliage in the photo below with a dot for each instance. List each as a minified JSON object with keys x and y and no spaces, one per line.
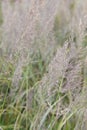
{"x":34,"y":71}
{"x":85,"y":41}
{"x":13,"y":111}
{"x":59,"y":30}
{"x":1,"y":16}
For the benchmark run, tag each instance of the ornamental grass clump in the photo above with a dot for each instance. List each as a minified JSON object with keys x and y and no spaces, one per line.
{"x":43,"y":65}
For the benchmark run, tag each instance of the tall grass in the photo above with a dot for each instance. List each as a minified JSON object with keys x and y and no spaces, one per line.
{"x":43,"y":65}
